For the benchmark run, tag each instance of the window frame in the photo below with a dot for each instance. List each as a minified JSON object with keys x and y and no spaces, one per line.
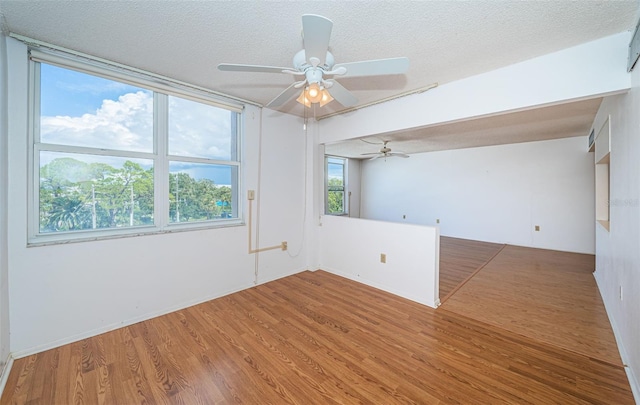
{"x":162,"y":90}
{"x":345,"y":171}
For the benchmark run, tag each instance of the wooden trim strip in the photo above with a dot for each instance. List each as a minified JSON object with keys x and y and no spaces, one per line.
{"x":443,"y":300}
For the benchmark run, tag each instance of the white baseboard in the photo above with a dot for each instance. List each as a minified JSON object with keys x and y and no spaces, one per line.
{"x":633,"y":381}
{"x":373,"y":284}
{"x":108,"y":328}
{"x":631,"y":375}
{"x":281,"y":275}
{"x":4,"y":373}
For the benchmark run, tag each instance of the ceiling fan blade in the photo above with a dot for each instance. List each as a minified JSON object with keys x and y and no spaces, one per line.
{"x":316,"y":34}
{"x":370,"y":153}
{"x":230,"y":67}
{"x":398,"y":154}
{"x":392,"y":66}
{"x":284,"y":96}
{"x":376,"y":157}
{"x":342,"y":95}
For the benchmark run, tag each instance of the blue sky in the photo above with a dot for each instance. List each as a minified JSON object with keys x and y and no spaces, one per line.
{"x":335,"y":170}
{"x":67,"y":92}
{"x":84,"y":110}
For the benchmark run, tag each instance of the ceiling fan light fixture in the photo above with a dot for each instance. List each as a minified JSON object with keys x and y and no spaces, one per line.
{"x":302,"y":99}
{"x":326,"y":98}
{"x":314,"y":93}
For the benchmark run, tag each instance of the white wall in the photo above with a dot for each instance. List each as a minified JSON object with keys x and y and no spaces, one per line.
{"x":493,"y":193}
{"x":4,"y":267}
{"x":353,"y":187}
{"x":281,"y":193}
{"x":351,"y":248}
{"x":618,"y":251}
{"x":594,"y":68}
{"x":62,"y":293}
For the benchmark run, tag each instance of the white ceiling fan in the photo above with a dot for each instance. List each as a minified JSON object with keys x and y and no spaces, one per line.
{"x":385,"y":152}
{"x":316,"y":67}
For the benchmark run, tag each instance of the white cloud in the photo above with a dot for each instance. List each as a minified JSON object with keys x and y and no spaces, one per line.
{"x":127,"y":124}
{"x":123,"y":124}
{"x":199,"y":130}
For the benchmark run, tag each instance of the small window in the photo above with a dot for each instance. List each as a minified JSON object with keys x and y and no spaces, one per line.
{"x":203,"y":155}
{"x":111,"y":157}
{"x":94,"y":151}
{"x":335,"y":187}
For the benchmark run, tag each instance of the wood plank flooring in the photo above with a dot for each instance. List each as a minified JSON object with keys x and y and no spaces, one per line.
{"x":313,"y":338}
{"x":546,"y":295}
{"x":459,"y":260}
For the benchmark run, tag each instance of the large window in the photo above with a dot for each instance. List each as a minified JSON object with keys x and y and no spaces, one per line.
{"x":335,"y":185}
{"x":114,"y":154}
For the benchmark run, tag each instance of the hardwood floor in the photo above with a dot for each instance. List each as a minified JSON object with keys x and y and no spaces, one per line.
{"x":550,"y":296}
{"x":459,"y":261}
{"x":314,"y":338}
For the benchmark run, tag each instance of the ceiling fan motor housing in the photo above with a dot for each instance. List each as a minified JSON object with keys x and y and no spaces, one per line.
{"x":300,"y":61}
{"x":313,"y":75}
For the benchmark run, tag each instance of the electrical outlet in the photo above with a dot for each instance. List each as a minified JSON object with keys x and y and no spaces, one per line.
{"x":284,"y":245}
{"x":383,"y":258}
{"x":537,"y":228}
{"x":251,"y":194}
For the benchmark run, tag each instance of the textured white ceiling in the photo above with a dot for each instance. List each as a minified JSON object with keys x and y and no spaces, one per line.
{"x":444,"y":40}
{"x":559,"y":121}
